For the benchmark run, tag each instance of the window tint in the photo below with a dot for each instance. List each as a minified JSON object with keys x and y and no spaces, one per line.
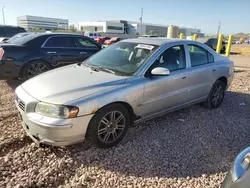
{"x":199,"y":56}
{"x":90,"y":34}
{"x":173,"y":58}
{"x":95,"y":34}
{"x":84,"y":43}
{"x":62,"y":42}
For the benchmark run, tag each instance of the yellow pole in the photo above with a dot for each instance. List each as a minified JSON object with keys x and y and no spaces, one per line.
{"x":219,"y":43}
{"x":182,"y":36}
{"x":195,"y":37}
{"x":229,"y":44}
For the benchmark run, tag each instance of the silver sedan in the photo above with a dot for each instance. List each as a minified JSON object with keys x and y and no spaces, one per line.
{"x":128,"y":82}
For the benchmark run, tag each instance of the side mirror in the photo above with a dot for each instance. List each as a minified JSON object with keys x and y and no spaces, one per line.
{"x":160,"y":71}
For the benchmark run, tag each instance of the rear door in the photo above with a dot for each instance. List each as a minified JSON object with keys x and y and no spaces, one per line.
{"x":85,"y":47}
{"x":60,"y":50}
{"x":201,"y":72}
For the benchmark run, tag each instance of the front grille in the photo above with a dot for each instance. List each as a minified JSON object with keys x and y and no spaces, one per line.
{"x":20,"y":103}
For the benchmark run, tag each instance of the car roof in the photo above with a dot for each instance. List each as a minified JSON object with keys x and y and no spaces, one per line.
{"x":59,"y":34}
{"x":153,"y":40}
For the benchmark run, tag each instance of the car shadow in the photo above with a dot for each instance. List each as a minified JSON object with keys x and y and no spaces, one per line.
{"x":187,"y":143}
{"x":13,"y":83}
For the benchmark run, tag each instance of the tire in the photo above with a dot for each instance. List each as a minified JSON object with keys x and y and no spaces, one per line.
{"x":34,"y":68}
{"x":101,"y":131}
{"x":217,"y":90}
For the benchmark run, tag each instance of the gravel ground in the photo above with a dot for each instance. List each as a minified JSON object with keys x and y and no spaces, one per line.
{"x":191,"y":148}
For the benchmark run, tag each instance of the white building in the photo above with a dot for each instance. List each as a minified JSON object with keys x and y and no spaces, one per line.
{"x":29,"y":22}
{"x":129,"y":27}
{"x":102,"y":26}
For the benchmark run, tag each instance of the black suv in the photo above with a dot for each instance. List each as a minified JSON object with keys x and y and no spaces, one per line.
{"x":212,"y":43}
{"x":8,"y":31}
{"x":36,"y":53}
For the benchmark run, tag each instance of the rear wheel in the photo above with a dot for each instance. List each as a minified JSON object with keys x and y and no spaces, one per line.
{"x":35,"y":68}
{"x":216,"y":95}
{"x":109,"y":126}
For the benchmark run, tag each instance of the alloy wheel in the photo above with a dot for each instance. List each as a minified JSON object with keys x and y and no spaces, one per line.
{"x":217,"y":95}
{"x":36,"y":69}
{"x":111,"y":127}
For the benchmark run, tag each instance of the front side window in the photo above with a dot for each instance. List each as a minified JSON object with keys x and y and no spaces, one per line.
{"x":85,"y":43}
{"x":60,"y":42}
{"x":173,"y":59}
{"x":199,"y":56}
{"x":123,"y":58}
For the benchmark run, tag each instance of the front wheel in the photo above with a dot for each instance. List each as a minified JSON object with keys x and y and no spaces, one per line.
{"x":109,"y":126}
{"x":216,"y":95}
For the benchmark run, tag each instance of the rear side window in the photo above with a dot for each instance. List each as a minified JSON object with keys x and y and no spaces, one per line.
{"x":199,"y":56}
{"x":81,"y":42}
{"x":60,"y":42}
{"x":90,"y":34}
{"x":38,"y":41}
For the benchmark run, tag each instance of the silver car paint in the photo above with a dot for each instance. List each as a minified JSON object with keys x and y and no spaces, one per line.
{"x":148,"y":96}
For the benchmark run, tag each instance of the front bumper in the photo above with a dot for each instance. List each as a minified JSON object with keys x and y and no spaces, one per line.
{"x":47,"y":130}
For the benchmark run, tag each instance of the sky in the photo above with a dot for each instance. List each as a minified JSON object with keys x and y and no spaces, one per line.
{"x":234,"y":15}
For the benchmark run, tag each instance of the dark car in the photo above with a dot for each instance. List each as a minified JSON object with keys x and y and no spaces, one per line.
{"x":239,"y":175}
{"x":7,"y":32}
{"x":36,"y":53}
{"x":212,"y":43}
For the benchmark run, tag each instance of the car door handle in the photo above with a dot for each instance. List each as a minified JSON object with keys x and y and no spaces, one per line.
{"x":183,"y":77}
{"x":51,"y":52}
{"x":83,"y":53}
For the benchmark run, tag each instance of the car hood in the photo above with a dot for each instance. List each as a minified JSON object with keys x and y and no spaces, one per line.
{"x":62,"y":85}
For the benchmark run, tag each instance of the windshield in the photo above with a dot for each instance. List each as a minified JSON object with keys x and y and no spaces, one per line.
{"x":123,"y":58}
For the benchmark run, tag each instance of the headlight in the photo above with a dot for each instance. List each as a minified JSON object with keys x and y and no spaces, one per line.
{"x":59,"y":111}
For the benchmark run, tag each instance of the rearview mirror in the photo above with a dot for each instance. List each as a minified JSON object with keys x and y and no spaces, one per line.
{"x":160,"y":71}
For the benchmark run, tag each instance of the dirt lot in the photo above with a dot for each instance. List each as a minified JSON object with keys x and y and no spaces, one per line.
{"x":242,"y":49}
{"x":191,"y":148}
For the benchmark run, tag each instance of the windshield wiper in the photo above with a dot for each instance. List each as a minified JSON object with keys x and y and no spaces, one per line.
{"x":98,"y":68}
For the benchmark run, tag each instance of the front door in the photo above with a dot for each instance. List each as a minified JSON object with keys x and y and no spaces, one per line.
{"x":85,"y":47}
{"x":162,"y":93}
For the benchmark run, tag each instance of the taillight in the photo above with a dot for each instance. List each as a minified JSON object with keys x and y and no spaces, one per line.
{"x":1,"y":53}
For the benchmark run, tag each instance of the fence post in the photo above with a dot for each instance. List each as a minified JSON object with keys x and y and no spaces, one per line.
{"x":219,"y":43}
{"x":182,"y":36}
{"x":229,"y":44}
{"x":195,"y":37}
